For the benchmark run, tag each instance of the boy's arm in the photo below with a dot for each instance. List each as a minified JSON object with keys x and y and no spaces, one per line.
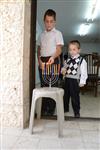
{"x":63,"y":69}
{"x":59,"y":44}
{"x":83,"y":71}
{"x":57,"y":54}
{"x":38,"y":56}
{"x":58,"y":51}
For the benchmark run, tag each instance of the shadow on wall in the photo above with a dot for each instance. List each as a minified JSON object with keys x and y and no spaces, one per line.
{"x":38,"y":32}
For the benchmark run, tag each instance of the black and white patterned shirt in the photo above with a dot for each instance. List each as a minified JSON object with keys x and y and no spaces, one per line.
{"x":72,"y":65}
{"x":76,"y":68}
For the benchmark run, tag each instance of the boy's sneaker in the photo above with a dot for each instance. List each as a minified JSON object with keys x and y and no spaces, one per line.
{"x":77,"y":115}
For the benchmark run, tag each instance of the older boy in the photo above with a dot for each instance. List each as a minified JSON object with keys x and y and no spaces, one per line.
{"x":49,"y":49}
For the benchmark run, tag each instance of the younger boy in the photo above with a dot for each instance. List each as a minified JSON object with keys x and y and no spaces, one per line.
{"x":75,"y":71}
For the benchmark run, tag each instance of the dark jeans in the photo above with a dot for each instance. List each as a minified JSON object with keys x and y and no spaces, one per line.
{"x":48,"y":105}
{"x":72,"y":90}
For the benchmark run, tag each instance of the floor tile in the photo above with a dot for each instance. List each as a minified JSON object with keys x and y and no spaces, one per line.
{"x":7,"y":141}
{"x":91,"y":146}
{"x":72,"y":143}
{"x":91,"y":136}
{"x":71,"y":125}
{"x":92,"y":125}
{"x":13,"y":131}
{"x":49,"y":144}
{"x":26,"y":143}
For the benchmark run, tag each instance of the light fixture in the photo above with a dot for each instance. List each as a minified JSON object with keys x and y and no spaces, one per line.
{"x":93,"y":10}
{"x":84,"y":28}
{"x":92,"y":13}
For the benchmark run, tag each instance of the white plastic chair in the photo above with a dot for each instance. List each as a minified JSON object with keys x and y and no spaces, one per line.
{"x":57,"y":95}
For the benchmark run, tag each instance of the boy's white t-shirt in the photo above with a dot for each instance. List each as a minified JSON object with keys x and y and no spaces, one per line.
{"x":48,"y":41}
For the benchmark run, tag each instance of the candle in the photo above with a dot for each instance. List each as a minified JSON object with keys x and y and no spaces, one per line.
{"x":54,"y":69}
{"x":58,"y":69}
{"x":52,"y":72}
{"x":50,"y":69}
{"x":45,"y":70}
{"x":42,"y":71}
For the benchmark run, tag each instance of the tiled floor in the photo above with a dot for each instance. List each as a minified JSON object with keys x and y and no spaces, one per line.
{"x":78,"y":135}
{"x":90,"y":106}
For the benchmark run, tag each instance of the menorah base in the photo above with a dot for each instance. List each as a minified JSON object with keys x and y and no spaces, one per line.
{"x":50,"y":80}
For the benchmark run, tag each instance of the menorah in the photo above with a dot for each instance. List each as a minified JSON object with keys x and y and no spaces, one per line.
{"x":50,"y":73}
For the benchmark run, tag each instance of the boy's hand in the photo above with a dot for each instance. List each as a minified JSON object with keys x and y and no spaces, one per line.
{"x":50,"y":61}
{"x":63,"y":71}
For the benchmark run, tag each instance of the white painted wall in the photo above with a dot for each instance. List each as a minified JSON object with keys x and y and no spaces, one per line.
{"x":87,"y":48}
{"x":90,"y":47}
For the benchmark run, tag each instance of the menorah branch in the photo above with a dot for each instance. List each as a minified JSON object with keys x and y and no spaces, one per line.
{"x":50,"y":73}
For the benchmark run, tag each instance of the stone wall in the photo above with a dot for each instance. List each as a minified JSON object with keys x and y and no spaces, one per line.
{"x":14,"y":61}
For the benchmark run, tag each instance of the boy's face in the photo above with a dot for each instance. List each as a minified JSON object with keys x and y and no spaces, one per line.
{"x":49,"y":23}
{"x":73,"y":50}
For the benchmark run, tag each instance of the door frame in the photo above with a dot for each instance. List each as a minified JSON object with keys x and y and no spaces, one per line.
{"x":32,"y":47}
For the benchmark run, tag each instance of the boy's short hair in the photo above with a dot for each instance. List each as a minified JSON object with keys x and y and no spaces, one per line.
{"x":76,"y":42}
{"x":50,"y":12}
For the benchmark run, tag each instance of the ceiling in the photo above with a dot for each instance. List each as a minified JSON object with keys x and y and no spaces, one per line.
{"x":70,"y":15}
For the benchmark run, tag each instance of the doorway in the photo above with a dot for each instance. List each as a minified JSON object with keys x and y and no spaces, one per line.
{"x":85,"y":45}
